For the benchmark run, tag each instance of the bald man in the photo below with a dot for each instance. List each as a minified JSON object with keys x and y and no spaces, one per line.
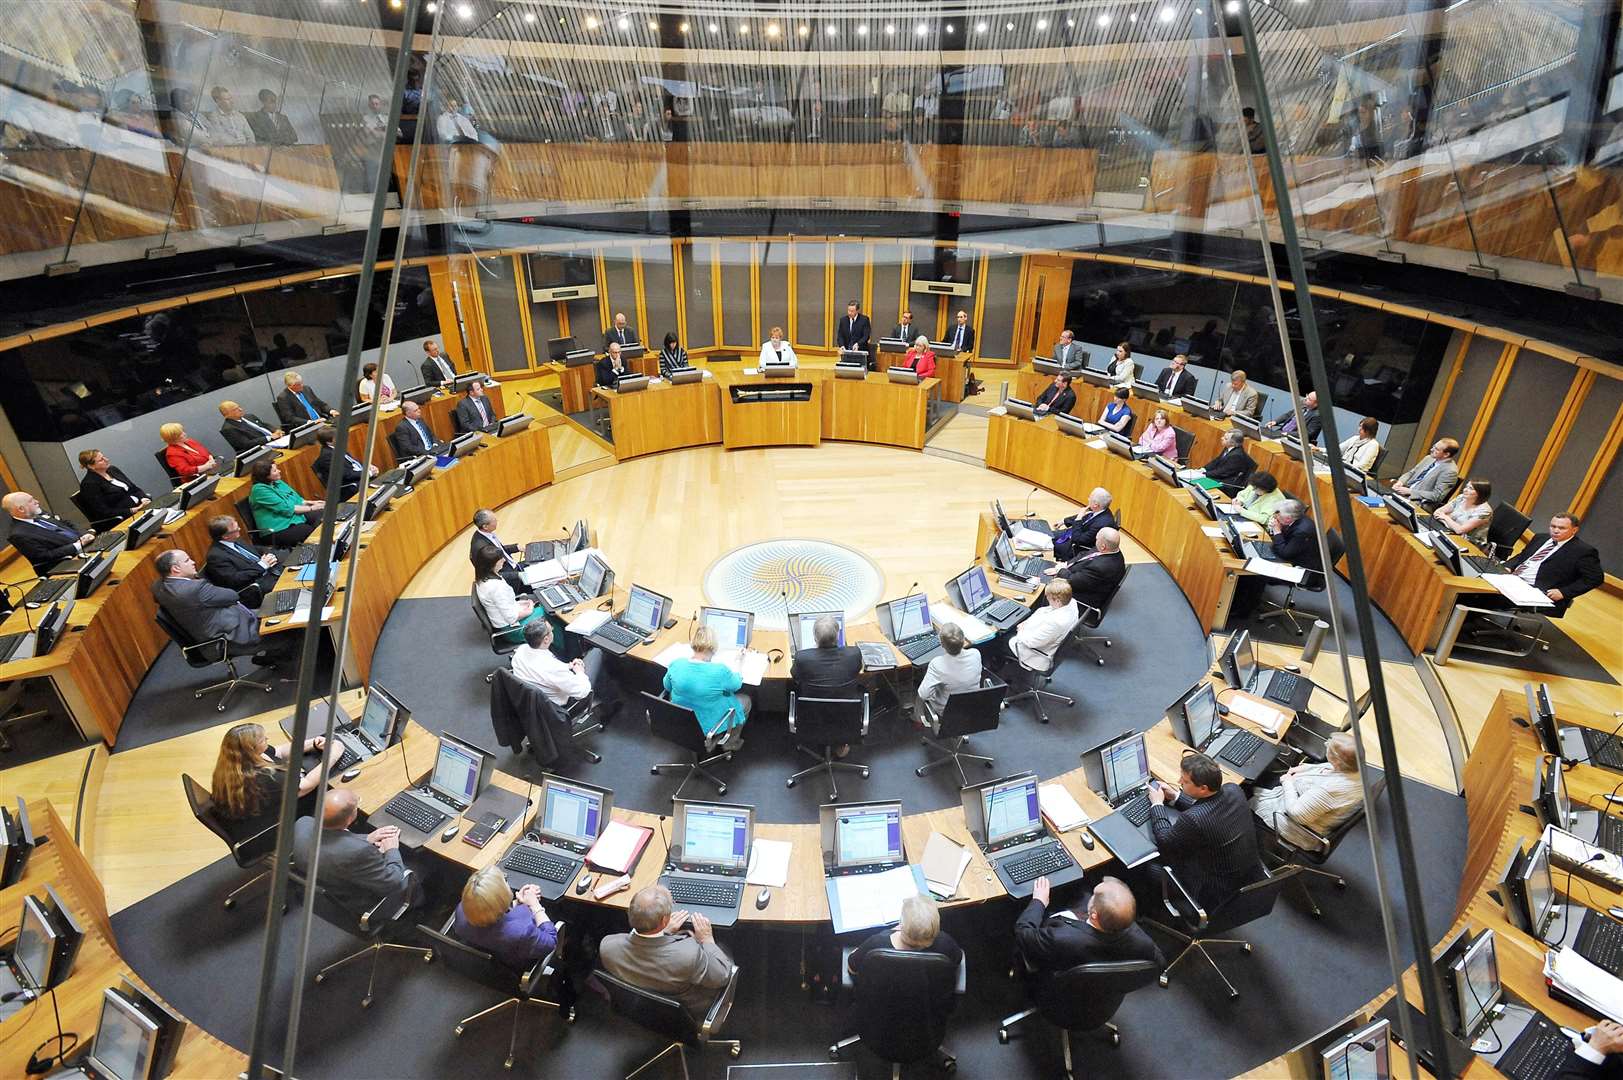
{"x":412,"y":437}
{"x":1101,"y":927}
{"x":355,"y":871}
{"x":44,"y":540}
{"x":1094,"y":575}
{"x":657,"y":955}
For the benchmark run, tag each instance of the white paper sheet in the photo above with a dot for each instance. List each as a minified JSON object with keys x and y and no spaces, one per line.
{"x":1585,"y":981}
{"x":943,"y":864}
{"x":769,"y":863}
{"x":575,"y":561}
{"x":1517,"y":591}
{"x":544,"y":573}
{"x":1191,"y":474}
{"x":1032,"y":540}
{"x":299,"y":618}
{"x":974,"y":630}
{"x":1258,"y":712}
{"x":587,"y":621}
{"x":1277,"y":570}
{"x":1060,"y":807}
{"x":874,"y":899}
{"x":1213,"y":531}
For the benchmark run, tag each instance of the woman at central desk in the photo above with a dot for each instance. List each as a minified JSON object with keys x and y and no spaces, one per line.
{"x":921,"y":358}
{"x":778,"y":352}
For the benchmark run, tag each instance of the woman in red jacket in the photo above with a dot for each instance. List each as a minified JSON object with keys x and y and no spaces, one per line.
{"x":187,"y":458}
{"x":920,"y":358}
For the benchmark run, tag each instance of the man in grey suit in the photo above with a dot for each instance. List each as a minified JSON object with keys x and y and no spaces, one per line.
{"x":687,"y":966}
{"x":1433,"y":477}
{"x":355,"y":871}
{"x":1068,"y":354}
{"x":474,"y":412}
{"x":1241,"y":397}
{"x":205,"y":610}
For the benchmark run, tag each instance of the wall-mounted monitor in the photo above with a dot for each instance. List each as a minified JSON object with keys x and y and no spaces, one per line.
{"x":557,"y":275}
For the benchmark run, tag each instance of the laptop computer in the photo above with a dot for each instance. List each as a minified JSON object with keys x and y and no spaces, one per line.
{"x":732,"y":629}
{"x":564,"y":829}
{"x":461,"y":771}
{"x":1239,"y":667}
{"x":861,"y":838}
{"x":1196,"y":721}
{"x":1591,"y":935}
{"x":542,"y":550}
{"x":1004,"y":523}
{"x":1001,"y":555}
{"x":973,"y":595}
{"x":906,"y":622}
{"x":1005,"y":820}
{"x":382,"y":717}
{"x":595,"y":579}
{"x":1554,"y":806}
{"x":645,"y":613}
{"x":710,"y":852}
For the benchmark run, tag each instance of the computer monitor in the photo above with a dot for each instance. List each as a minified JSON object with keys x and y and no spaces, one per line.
{"x":1002,"y":518}
{"x":1001,"y":553}
{"x":1119,"y":444}
{"x":145,"y":526}
{"x":1019,"y":408}
{"x":715,"y":835}
{"x":1511,"y":888}
{"x":16,"y":843}
{"x":126,"y":1040}
{"x":1363,"y":1055}
{"x":572,"y":811}
{"x":1538,"y":889}
{"x":1476,"y":983}
{"x":382,"y":716}
{"x":420,"y":393}
{"x":592,"y":575}
{"x":46,"y":943}
{"x":1555,"y":783}
{"x":973,"y":589}
{"x":249,"y":458}
{"x":1251,"y":427}
{"x":1010,"y":808}
{"x":1402,"y":511}
{"x":1231,"y":533}
{"x":378,"y":500}
{"x":560,"y":347}
{"x":1204,"y":500}
{"x":459,"y":769}
{"x":1200,"y":714}
{"x":909,"y":616}
{"x":197,"y":491}
{"x":732,"y":628}
{"x":1245,"y":659}
{"x":645,"y":609}
{"x":1164,"y":469}
{"x":802,"y":624}
{"x":1544,"y":726}
{"x":49,"y":630}
{"x":512,"y":424}
{"x":1126,"y":766}
{"x":579,"y":537}
{"x":1071,"y":425}
{"x":1448,"y":551}
{"x":863,"y":834}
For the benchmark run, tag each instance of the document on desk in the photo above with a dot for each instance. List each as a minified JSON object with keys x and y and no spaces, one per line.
{"x":1032,"y":540}
{"x":1248,"y":528}
{"x":1060,"y":808}
{"x":748,"y":664}
{"x":1213,"y":531}
{"x":1279,"y":571}
{"x":943,"y":865}
{"x":280,"y":442}
{"x":544,"y":573}
{"x":1258,"y":711}
{"x":769,"y":863}
{"x":307,"y":572}
{"x":1517,"y":591}
{"x":299,"y":618}
{"x":575,"y":561}
{"x":974,"y":630}
{"x":864,"y":901}
{"x":1191,"y":474}
{"x":587,"y":621}
{"x":1097,"y":444}
{"x":1594,"y":986}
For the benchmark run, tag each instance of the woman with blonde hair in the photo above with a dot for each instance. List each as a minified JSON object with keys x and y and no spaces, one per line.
{"x":918,"y":931}
{"x":513,"y":929}
{"x":710,"y":688}
{"x":1317,"y":797}
{"x":248,"y":776}
{"x":186,"y":458}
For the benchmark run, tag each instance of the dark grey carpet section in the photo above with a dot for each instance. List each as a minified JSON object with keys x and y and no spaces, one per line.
{"x":1565,"y":658}
{"x":1316,"y":605}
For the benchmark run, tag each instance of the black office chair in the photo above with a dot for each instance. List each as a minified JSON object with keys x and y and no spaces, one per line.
{"x":370,"y":925}
{"x":1262,"y":403}
{"x":10,"y":694}
{"x":1316,"y":581}
{"x":1309,"y":732}
{"x":968,"y":712}
{"x":255,"y":852}
{"x":98,"y":524}
{"x":902,"y":1002}
{"x":202,"y":654}
{"x":1375,"y":466}
{"x":1505,"y":530}
{"x":818,"y":725}
{"x":250,"y":524}
{"x":175,"y":478}
{"x":1253,"y":902}
{"x":1092,"y":617}
{"x":1082,"y":999}
{"x":523,"y":987}
{"x":1037,"y":687}
{"x":676,"y":724}
{"x":1132,"y":422}
{"x":1311,"y":859}
{"x":500,"y":644}
{"x":1186,"y":443}
{"x":668,"y":1017}
{"x":576,"y":722}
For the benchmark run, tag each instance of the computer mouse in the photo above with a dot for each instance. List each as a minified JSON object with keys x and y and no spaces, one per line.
{"x":583,"y":883}
{"x":1615,"y":912}
{"x":449,"y":832}
{"x":763,"y":898}
{"x":1295,"y":669}
{"x":349,"y":774}
{"x":1613,"y":798}
{"x":1086,"y":838}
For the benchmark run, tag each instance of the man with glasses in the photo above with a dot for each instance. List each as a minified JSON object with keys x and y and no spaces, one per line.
{"x":1434,"y":477}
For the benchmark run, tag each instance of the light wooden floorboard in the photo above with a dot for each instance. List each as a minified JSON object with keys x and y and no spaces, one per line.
{"x":963,"y":434}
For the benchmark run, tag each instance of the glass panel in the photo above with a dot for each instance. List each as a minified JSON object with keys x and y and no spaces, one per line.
{"x":701,"y":327}
{"x":887,"y":300}
{"x":1589,"y":429}
{"x":1526,"y":412}
{"x":995,"y":336}
{"x":659,"y":294}
{"x":774,"y":270}
{"x":738,"y":329}
{"x":503,"y":322}
{"x":811,"y":305}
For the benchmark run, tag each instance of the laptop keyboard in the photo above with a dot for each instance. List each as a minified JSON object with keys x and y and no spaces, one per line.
{"x":1537,"y":1054}
{"x":302,"y":555}
{"x":1001,"y":609}
{"x":1600,"y":941}
{"x":49,"y":591}
{"x":1282,"y":687}
{"x":280,"y":603}
{"x":1240,"y":748}
{"x":538,"y":551}
{"x":105,"y":541}
{"x":345,"y":760}
{"x":619,"y":633}
{"x":415,"y":813}
{"x":10,"y":644}
{"x":539,"y":864}
{"x":913,"y":648}
{"x":561,"y":596}
{"x":1033,"y":865}
{"x":1030,"y":566}
{"x":1136,"y":809}
{"x":689,"y":891}
{"x":1609,"y":834}
{"x":1603,"y":748}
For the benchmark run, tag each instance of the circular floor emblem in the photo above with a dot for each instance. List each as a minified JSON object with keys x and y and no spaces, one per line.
{"x":815,"y":574}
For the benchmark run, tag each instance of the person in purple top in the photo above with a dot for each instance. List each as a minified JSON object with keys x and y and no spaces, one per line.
{"x":514,"y":930}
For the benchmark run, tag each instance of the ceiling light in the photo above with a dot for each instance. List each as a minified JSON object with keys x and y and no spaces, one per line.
{"x":772,"y":30}
{"x":713,"y":28}
{"x":1132,"y":17}
{"x":834,"y":31}
{"x":920,"y":30}
{"x":744,"y":29}
{"x":529,"y":16}
{"x":682,"y":28}
{"x":1042,"y":24}
{"x":653,"y":24}
{"x":862,"y":31}
{"x":1010,"y":25}
{"x":395,"y":4}
{"x":432,"y":7}
{"x":950,"y":29}
{"x":622,"y":22}
{"x":591,"y":22}
{"x":1233,"y":7}
{"x":890,"y":28}
{"x":1070,"y":23}
{"x":803,"y":30}
{"x":980,"y":28}
{"x":465,"y":10}
{"x":1167,"y":14}
{"x":1103,"y":20}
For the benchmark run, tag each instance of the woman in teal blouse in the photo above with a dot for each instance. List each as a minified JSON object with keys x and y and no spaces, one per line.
{"x":710,"y":689}
{"x":286,"y":515}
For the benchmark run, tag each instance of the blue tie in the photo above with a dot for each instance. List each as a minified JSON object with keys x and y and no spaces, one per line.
{"x":244,"y":552}
{"x":422,"y":433}
{"x":308,"y":407}
{"x":63,"y":529}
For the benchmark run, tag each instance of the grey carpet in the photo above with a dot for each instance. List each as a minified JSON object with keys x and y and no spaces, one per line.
{"x":1565,"y":658}
{"x":1316,"y":605}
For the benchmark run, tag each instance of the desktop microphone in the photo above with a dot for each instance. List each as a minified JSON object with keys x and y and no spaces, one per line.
{"x":16,"y":995}
{"x":1029,"y":494}
{"x":663,"y":839}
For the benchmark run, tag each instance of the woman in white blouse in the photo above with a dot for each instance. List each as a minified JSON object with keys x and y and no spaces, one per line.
{"x":1361,"y":450}
{"x":1468,"y":513}
{"x":777,"y":351}
{"x":1317,"y":797}
{"x":502,"y":605}
{"x":367,"y":389}
{"x":1121,"y":365}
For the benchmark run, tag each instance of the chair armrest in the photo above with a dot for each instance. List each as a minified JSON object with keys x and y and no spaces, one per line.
{"x":866,"y":713}
{"x":390,"y":908}
{"x":719,"y":736}
{"x":717,"y":1016}
{"x":962,"y":985}
{"x":1321,"y":840}
{"x":1179,"y":904}
{"x":238,"y":847}
{"x":220,"y":644}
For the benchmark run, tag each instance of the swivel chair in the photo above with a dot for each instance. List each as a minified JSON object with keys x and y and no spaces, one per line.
{"x":162,"y":457}
{"x":668,"y":1017}
{"x":1311,"y":859}
{"x":371,"y":926}
{"x":902,"y":1003}
{"x":98,"y":524}
{"x":1037,"y":682}
{"x":1505,"y":530}
{"x":523,"y":987}
{"x":203,"y":654}
{"x":968,"y":712}
{"x":1250,"y":903}
{"x":500,"y":643}
{"x":574,"y":723}
{"x":823,"y":724}
{"x":1316,"y":581}
{"x":254,"y":852}
{"x":250,"y":524}
{"x":1092,"y":617}
{"x":1185,"y":443}
{"x":675,"y":724}
{"x":1082,"y":999}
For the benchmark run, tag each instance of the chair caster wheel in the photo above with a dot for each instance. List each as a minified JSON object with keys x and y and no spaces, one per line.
{"x":1233,"y":994}
{"x":865,"y":774}
{"x":508,"y":1064}
{"x":721,"y":789}
{"x":834,"y":1052}
{"x":1115,"y":1038}
{"x":1100,"y":661}
{"x":230,"y":903}
{"x":320,"y":978}
{"x":1162,"y":981}
{"x":734,"y":1051}
{"x":1341,"y":883}
{"x":1003,"y":1036}
{"x":198,"y":696}
{"x":458,"y":1030}
{"x":789,"y":783}
{"x":569,"y":1015}
{"x":653,"y":772}
{"x":366,"y":1002}
{"x":220,"y":707}
{"x":919,"y":771}
{"x":268,"y":689}
{"x":1246,"y":947}
{"x":428,"y":957}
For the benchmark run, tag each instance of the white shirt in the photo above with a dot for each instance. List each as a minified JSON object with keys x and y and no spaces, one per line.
{"x":494,"y":539}
{"x":368,"y":389}
{"x":769,"y":353}
{"x":501,"y":602}
{"x":1528,"y":571}
{"x":1039,"y":637}
{"x":556,"y":679}
{"x":454,"y":127}
{"x":1121,"y":371}
{"x":948,"y":674}
{"x":229,"y":128}
{"x":1360,"y":452}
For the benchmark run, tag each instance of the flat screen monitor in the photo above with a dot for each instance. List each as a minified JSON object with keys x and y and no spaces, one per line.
{"x":1200,"y":713}
{"x":560,"y":347}
{"x":1555,"y":782}
{"x":1164,"y":469}
{"x":1126,"y":766}
{"x":126,"y":1039}
{"x":1538,"y":886}
{"x":1002,"y":518}
{"x":1363,"y":1055}
{"x":1022,"y":409}
{"x":1476,"y":983}
{"x":802,"y":624}
{"x":1544,"y":727}
{"x":715,"y":834}
{"x":571,"y":811}
{"x":910,"y":616}
{"x":1448,"y":552}
{"x":973,"y":588}
{"x":47,"y":941}
{"x":381,"y":716}
{"x":1119,"y":444}
{"x":1204,"y":500}
{"x":732,"y":628}
{"x":1010,"y":808}
{"x":247,"y":459}
{"x":144,"y":528}
{"x":558,"y":270}
{"x":1249,"y":425}
{"x":456,"y":770}
{"x":579,"y":537}
{"x":645,"y":609}
{"x":1001,"y":554}
{"x":1402,"y":512}
{"x":592,"y":575}
{"x":868,"y":834}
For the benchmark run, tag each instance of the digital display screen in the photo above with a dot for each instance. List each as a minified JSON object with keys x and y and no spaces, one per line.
{"x":1002,"y":518}
{"x":1002,"y":553}
{"x":1200,"y":711}
{"x":1476,"y":982}
{"x":1558,"y":788}
{"x":456,"y":771}
{"x":32,"y":952}
{"x":592,"y":575}
{"x":577,"y":536}
{"x":732,"y":628}
{"x":570,"y":811}
{"x":1540,"y":887}
{"x":124,"y":1040}
{"x":805,"y":625}
{"x":973,"y":588}
{"x":642,"y":609}
{"x":1126,"y":766}
{"x":377,"y":720}
{"x":718,"y":835}
{"x":1010,"y":809}
{"x":867,"y":836}
{"x":1245,"y":659}
{"x":1363,"y":1056}
{"x":910,"y":616}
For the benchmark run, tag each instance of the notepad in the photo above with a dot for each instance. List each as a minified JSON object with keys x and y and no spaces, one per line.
{"x":1277,"y":570}
{"x":587,"y":621}
{"x":1062,"y":812}
{"x":975,"y":631}
{"x":868,"y":900}
{"x":618,"y":846}
{"x":1579,"y":978}
{"x":943,"y":864}
{"x":769,"y":863}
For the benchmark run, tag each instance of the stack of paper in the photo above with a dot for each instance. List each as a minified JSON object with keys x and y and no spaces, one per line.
{"x":587,"y":621}
{"x":1257,"y":711}
{"x":868,"y":900}
{"x":1576,"y":977}
{"x":1032,"y":540}
{"x":974,"y":630}
{"x":1213,"y":531}
{"x":943,"y":865}
{"x":769,"y":863}
{"x":1279,"y":571}
{"x":1517,"y":591}
{"x":1097,"y":444}
{"x":1062,"y":812}
{"x":544,"y":573}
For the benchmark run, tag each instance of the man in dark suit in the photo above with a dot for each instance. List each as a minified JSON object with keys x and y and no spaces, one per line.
{"x":1080,"y":530}
{"x":298,"y":404}
{"x":608,"y":371}
{"x":1205,"y":832}
{"x":232,"y":563}
{"x":1095,"y":575}
{"x":208,"y":611}
{"x":355,"y":871}
{"x":829,"y":670}
{"x":1058,"y":398}
{"x":474,"y":411}
{"x":855,"y":330}
{"x":621,"y":333}
{"x":1101,"y":928}
{"x":1175,"y":381}
{"x":1232,"y":466}
{"x":1558,"y":564}
{"x":270,"y":124}
{"x":1285,"y":424}
{"x":907,"y":330}
{"x":435,"y":368}
{"x":44,"y":540}
{"x":484,"y":538}
{"x":328,"y":458}
{"x":1068,"y":354}
{"x":962,"y":336}
{"x":1598,"y":1057}
{"x":1295,"y":540}
{"x":244,"y":430}
{"x":412,"y":437}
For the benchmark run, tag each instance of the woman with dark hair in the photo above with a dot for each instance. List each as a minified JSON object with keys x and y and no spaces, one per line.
{"x":106,"y":495}
{"x":279,"y":510}
{"x":672,"y":357}
{"x":1118,"y":414}
{"x":248,"y":777}
{"x":502,"y":605}
{"x":1122,"y":367}
{"x":1260,"y":498}
{"x":1468,"y":513}
{"x":1361,"y":450}
{"x":368,"y":389}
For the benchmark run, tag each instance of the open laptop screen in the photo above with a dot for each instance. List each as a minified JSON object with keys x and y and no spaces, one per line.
{"x":1126,"y":766}
{"x":802,"y":625}
{"x":717,"y":835}
{"x":973,"y":588}
{"x":1010,"y":809}
{"x":732,"y":628}
{"x":456,"y":771}
{"x":868,"y":834}
{"x":642,"y":609}
{"x":379,"y":716}
{"x":1200,"y":713}
{"x":1245,"y":659}
{"x":592,"y":575}
{"x":910,"y":616}
{"x":570,"y":811}
{"x":1476,"y":983}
